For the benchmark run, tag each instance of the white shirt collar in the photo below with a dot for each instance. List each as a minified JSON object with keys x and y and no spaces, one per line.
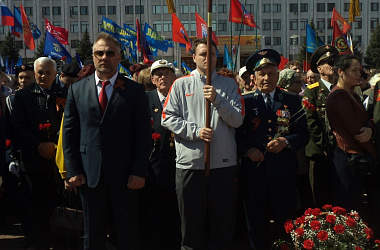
{"x":327,"y":84}
{"x":160,"y":96}
{"x":112,"y":79}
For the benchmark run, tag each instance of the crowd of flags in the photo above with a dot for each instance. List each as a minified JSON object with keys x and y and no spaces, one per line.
{"x":148,"y":41}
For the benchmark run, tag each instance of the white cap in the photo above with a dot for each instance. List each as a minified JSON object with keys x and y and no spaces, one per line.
{"x":161,"y":64}
{"x":242,"y":71}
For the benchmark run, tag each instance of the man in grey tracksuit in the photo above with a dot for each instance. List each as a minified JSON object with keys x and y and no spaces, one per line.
{"x":201,"y":197}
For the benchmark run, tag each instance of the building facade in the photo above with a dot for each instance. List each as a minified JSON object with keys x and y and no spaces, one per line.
{"x":281,"y":22}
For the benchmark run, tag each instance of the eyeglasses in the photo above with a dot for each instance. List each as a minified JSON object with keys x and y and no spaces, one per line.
{"x":99,"y":53}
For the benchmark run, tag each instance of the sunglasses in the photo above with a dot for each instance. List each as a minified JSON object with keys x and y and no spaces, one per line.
{"x":99,"y":54}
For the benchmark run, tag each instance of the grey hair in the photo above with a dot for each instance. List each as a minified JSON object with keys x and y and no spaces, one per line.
{"x":45,"y":59}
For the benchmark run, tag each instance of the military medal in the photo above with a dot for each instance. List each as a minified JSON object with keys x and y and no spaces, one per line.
{"x":155,"y":110}
{"x":171,"y":139}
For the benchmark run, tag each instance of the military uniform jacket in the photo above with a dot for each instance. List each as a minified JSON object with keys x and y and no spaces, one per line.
{"x":162,"y":160}
{"x":33,"y":108}
{"x":319,"y":130}
{"x":259,"y":128}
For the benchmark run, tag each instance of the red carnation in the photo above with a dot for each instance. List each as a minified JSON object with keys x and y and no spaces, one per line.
{"x":358,"y":248}
{"x":299,"y":232}
{"x":330,"y":218}
{"x":350,"y":222}
{"x":156,"y":136}
{"x":308,"y":211}
{"x":308,"y":105}
{"x":339,"y":229}
{"x":315,"y":225}
{"x":308,"y":244}
{"x":300,"y":220}
{"x":43,"y":126}
{"x":322,"y":235}
{"x":339,"y":210}
{"x":316,"y":211}
{"x":288,"y":226}
{"x":377,"y":241}
{"x":327,"y":207}
{"x":368,"y":231}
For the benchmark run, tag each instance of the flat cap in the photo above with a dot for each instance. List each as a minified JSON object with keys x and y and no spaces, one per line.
{"x":322,"y":55}
{"x":71,"y":69}
{"x":262,"y":58}
{"x":24,"y":67}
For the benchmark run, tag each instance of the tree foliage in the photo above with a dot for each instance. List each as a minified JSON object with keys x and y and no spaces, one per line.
{"x":8,"y":49}
{"x":84,"y":49}
{"x":372,"y":56}
{"x":40,"y":47}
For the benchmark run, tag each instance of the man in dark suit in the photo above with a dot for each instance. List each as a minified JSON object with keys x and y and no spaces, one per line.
{"x":160,"y":206}
{"x":36,"y":122}
{"x":106,"y":145}
{"x":321,"y":142}
{"x":269,"y":164}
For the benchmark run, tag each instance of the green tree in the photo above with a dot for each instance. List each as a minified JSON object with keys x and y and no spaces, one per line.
{"x":372,"y":56}
{"x":40,"y":47}
{"x":8,"y":49}
{"x":84,"y":49}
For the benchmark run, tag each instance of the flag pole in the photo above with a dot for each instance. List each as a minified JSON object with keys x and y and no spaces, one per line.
{"x":238,"y":42}
{"x":208,"y":82}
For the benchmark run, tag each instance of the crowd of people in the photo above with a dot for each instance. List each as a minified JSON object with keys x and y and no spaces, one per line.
{"x":134,"y":149}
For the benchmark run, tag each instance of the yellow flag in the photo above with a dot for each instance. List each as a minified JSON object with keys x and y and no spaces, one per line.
{"x":354,"y":10}
{"x":170,"y":5}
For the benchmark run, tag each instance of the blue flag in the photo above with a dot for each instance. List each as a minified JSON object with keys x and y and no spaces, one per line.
{"x":130,"y":31}
{"x":17,"y":29}
{"x":19,"y":62}
{"x":35,"y":31}
{"x":227,"y":60}
{"x":55,"y":49}
{"x":12,"y":67}
{"x":154,"y":39}
{"x":79,"y":60}
{"x":311,"y":42}
{"x":116,"y":31}
{"x":123,"y":70}
{"x":7,"y":70}
{"x":186,"y":69}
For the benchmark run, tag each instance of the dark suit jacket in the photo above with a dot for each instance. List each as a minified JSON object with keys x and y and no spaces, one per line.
{"x":260,"y":127}
{"x":162,"y":162}
{"x":118,"y":142}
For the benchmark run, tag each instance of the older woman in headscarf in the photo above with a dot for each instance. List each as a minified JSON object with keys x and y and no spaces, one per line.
{"x":290,"y":80}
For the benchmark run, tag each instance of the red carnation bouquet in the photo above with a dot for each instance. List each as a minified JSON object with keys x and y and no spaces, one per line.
{"x":155,"y":137}
{"x":332,"y":228}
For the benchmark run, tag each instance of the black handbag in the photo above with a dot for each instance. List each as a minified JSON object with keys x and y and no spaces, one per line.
{"x":362,"y":165}
{"x":67,"y":221}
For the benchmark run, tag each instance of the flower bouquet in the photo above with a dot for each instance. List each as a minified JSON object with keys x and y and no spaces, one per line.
{"x":332,"y":228}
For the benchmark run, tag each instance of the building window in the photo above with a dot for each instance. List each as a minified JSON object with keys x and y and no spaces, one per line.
{"x":320,"y":7}
{"x":100,"y":25}
{"x":359,"y":40}
{"x":222,"y":25}
{"x":329,"y":27}
{"x":165,"y":9}
{"x":293,"y":24}
{"x":111,"y":10}
{"x":374,"y":23}
{"x":248,"y":28}
{"x":84,"y":26}
{"x":156,"y":9}
{"x":293,"y":41}
{"x":222,"y":8}
{"x":321,"y":24}
{"x":84,"y":10}
{"x":185,"y":25}
{"x":157,"y":26}
{"x":193,"y":8}
{"x":303,"y":24}
{"x":268,"y":41}
{"x":266,"y":24}
{"x":266,"y":8}
{"x":346,"y":7}
{"x":46,"y":11}
{"x":330,"y":6}
{"x":57,"y":24}
{"x":293,"y":7}
{"x":276,"y":24}
{"x":74,"y":44}
{"x":129,"y":9}
{"x":276,"y":7}
{"x":237,"y":26}
{"x":101,"y":10}
{"x":276,"y":40}
{"x":358,"y":23}
{"x":28,"y":11}
{"x":184,"y":9}
{"x":74,"y":27}
{"x":56,"y":11}
{"x":139,"y":9}
{"x":193,"y":26}
{"x":73,"y":10}
{"x":249,"y":8}
{"x":303,"y":7}
{"x":167,"y":25}
{"x":374,"y":6}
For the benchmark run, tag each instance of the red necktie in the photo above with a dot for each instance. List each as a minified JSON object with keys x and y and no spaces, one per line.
{"x":103,"y":99}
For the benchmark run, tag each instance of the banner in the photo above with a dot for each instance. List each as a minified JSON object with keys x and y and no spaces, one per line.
{"x":55,"y":49}
{"x":79,"y":61}
{"x":61,"y":34}
{"x":339,"y":41}
{"x":186,"y":69}
{"x":19,"y":62}
{"x":337,"y":17}
{"x":123,"y":70}
{"x":6,"y":15}
{"x":16,"y":30}
{"x":154,"y":39}
{"x":237,"y":12}
{"x":130,"y":31}
{"x":283,"y":63}
{"x":202,"y":28}
{"x":28,"y":36}
{"x":179,"y":33}
{"x":116,"y":31}
{"x":143,"y":46}
{"x":227,"y":60}
{"x":35,"y":31}
{"x":311,"y":41}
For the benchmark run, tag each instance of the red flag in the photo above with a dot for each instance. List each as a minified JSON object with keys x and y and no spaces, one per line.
{"x":61,"y":34}
{"x":337,"y":17}
{"x":236,"y":14}
{"x":28,"y":36}
{"x":339,"y":41}
{"x":284,"y":61}
{"x":138,"y":31}
{"x":306,"y":66}
{"x":202,"y":28}
{"x":179,"y":32}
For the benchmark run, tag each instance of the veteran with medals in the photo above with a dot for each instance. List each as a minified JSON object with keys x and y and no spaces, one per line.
{"x":321,"y":139}
{"x":269,"y":164}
